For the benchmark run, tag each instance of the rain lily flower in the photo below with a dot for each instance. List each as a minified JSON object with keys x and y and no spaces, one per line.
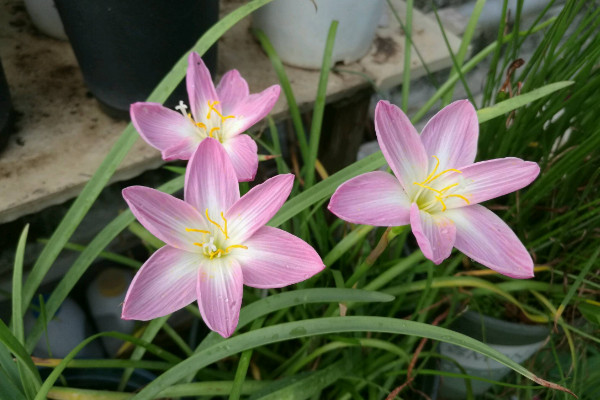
{"x":437,"y":188}
{"x":222,"y":113}
{"x":216,"y":242}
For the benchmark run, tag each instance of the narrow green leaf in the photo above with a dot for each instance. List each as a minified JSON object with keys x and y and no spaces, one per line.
{"x":287,"y":91}
{"x":17,"y":285}
{"x":23,"y":359}
{"x":488,"y":113}
{"x":148,"y":336}
{"x":320,"y":326}
{"x":304,"y":386}
{"x":575,"y":285}
{"x":407,"y":27}
{"x":346,"y":243}
{"x":319,"y":107}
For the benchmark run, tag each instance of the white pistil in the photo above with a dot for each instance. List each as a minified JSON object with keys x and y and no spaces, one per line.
{"x":182,"y":108}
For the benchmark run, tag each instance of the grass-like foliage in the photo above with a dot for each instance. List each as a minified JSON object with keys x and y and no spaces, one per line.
{"x":367,"y":327}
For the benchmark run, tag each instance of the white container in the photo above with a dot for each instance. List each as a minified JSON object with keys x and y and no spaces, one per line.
{"x":105,"y":296}
{"x":516,"y":341}
{"x":45,"y":17}
{"x":298,"y":30}
{"x":64,"y":332}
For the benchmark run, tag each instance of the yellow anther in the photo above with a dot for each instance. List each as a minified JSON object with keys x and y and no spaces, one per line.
{"x":198,"y":244}
{"x":235,"y":246}
{"x":201,"y":125}
{"x":440,"y":199}
{"x":448,"y":187}
{"x":218,"y":225}
{"x":440,"y":192}
{"x":196,"y":230}
{"x":459,"y":196}
{"x":211,"y":108}
{"x":428,"y":187}
{"x":216,"y":128}
{"x":224,"y":225}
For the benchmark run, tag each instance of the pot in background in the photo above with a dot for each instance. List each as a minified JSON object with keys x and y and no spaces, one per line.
{"x":298,"y":30}
{"x":44,"y":16}
{"x":516,"y":341}
{"x":6,"y":111}
{"x":124,"y":48}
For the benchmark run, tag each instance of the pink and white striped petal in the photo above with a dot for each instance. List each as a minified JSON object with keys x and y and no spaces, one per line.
{"x":485,"y":238}
{"x":251,"y":110}
{"x":243,"y":154}
{"x":375,"y":198}
{"x":232,"y":89}
{"x":220,"y":291}
{"x":401,"y":145}
{"x":182,"y":150}
{"x":165,"y":216}
{"x":165,"y":283}
{"x":435,"y":233}
{"x":210,"y":181}
{"x":200,"y":87}
{"x":452,"y":135}
{"x":258,"y":206}
{"x":276,"y":258}
{"x":487,"y":180}
{"x":160,"y":127}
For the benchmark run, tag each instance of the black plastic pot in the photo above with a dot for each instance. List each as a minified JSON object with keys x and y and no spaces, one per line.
{"x":6,"y":111}
{"x":125,"y":47}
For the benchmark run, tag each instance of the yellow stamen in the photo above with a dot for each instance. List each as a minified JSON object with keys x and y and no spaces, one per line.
{"x":196,"y":230}
{"x":198,"y":244}
{"x":440,"y":192}
{"x":437,"y":164}
{"x":201,"y":125}
{"x":427,"y":187}
{"x":439,"y":198}
{"x":443,"y":172}
{"x":216,"y":128}
{"x":459,"y":196}
{"x":235,"y":246}
{"x":211,"y":108}
{"x":218,"y":225}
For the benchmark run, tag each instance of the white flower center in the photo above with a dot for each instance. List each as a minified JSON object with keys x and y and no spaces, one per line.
{"x":215,"y":244}
{"x":432,"y":194}
{"x":210,"y":126}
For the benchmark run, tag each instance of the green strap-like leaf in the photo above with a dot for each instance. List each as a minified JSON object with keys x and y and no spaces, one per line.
{"x":320,"y":326}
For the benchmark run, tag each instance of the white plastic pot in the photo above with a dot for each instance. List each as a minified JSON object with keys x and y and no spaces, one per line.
{"x":517,"y":341}
{"x":45,"y":17}
{"x":298,"y":30}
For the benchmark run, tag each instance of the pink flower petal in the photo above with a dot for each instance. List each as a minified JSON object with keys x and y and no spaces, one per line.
{"x":485,"y":238}
{"x":164,"y":284}
{"x":250,"y":110}
{"x":401,"y":145}
{"x":220,"y":291}
{"x":160,"y":127}
{"x":258,"y":206}
{"x":200,"y":87}
{"x":210,"y":181}
{"x":276,"y":258}
{"x":374,"y":198}
{"x":490,"y":179}
{"x":452,"y":135}
{"x":165,"y":216}
{"x":435,"y":233}
{"x":182,"y":150}
{"x":242,"y":152}
{"x":232,"y":89}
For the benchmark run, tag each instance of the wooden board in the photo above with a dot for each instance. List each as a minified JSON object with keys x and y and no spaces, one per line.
{"x":62,"y":136}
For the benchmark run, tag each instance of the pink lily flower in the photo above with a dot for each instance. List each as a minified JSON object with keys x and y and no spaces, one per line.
{"x":437,"y":188}
{"x":222,"y":113}
{"x":216,"y":242}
